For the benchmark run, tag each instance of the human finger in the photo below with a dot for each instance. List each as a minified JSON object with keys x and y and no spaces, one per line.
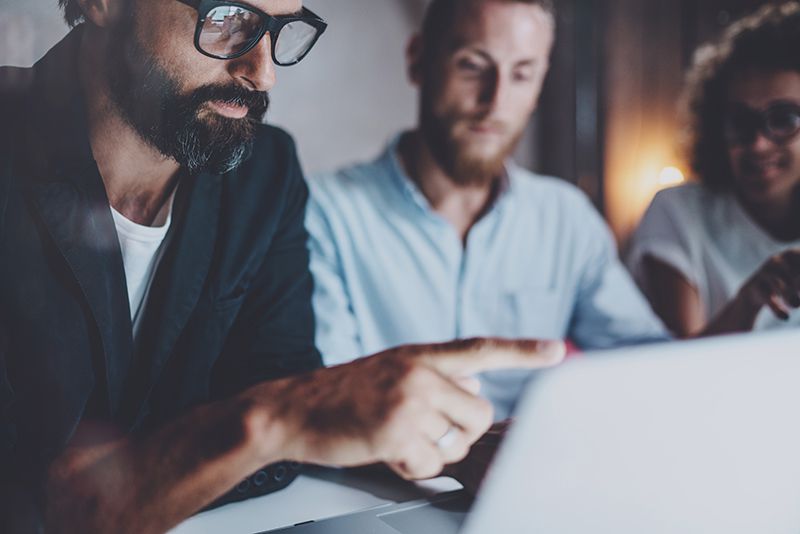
{"x":783,"y":280}
{"x":469,"y":383}
{"x":778,"y":307}
{"x":473,"y":356}
{"x":419,"y":460}
{"x":471,"y":414}
{"x":770,"y":287}
{"x":434,"y":424}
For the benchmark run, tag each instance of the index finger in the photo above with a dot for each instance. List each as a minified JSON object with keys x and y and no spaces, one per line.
{"x":472,"y":356}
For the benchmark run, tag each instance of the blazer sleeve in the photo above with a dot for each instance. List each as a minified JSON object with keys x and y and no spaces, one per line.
{"x":20,"y":491}
{"x":19,"y":508}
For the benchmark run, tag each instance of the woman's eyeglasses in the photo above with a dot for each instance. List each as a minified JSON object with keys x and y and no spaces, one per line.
{"x":779,"y":123}
{"x":227,"y":30}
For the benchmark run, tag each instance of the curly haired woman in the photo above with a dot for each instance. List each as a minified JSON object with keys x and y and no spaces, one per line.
{"x":723,"y":255}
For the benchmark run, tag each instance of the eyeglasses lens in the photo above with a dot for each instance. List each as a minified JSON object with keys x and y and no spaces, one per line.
{"x":783,"y":122}
{"x":778,"y":124}
{"x":228,"y":30}
{"x":294,"y":41}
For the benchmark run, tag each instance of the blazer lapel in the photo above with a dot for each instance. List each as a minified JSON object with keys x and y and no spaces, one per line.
{"x":82,"y":229}
{"x":178,"y":284}
{"x":68,"y":192}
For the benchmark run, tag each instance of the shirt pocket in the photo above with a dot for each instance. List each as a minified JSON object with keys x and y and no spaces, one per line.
{"x":533,"y":312}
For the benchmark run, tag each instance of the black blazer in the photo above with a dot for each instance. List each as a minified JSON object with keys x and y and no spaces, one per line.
{"x":230,"y":305}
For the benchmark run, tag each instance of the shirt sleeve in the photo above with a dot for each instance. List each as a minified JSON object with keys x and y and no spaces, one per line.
{"x":665,"y":236}
{"x":337,"y":333}
{"x":610,"y":311}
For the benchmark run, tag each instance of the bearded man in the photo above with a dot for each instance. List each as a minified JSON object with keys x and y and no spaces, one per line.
{"x":156,"y":327}
{"x":443,"y":236}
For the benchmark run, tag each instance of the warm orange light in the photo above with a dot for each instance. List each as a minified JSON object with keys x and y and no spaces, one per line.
{"x":636,"y":176}
{"x":670,"y":176}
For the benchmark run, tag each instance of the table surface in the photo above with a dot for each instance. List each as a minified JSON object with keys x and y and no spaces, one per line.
{"x":319,"y":493}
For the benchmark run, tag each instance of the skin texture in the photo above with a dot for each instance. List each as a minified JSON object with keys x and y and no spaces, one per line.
{"x":767,"y":182}
{"x":478,"y":89}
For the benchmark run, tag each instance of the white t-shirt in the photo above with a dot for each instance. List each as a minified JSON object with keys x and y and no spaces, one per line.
{"x":711,"y":240}
{"x":141,"y":251}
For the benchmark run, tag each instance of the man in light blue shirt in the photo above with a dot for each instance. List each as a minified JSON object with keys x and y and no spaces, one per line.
{"x":443,"y":237}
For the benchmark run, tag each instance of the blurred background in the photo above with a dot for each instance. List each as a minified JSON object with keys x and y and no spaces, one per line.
{"x":608,"y":119}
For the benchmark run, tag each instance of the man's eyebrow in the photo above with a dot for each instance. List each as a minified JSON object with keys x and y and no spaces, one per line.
{"x":462,"y":46}
{"x":297,"y":13}
{"x":530,"y":62}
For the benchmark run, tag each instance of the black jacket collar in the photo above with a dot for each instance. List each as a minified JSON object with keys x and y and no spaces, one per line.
{"x":70,"y":197}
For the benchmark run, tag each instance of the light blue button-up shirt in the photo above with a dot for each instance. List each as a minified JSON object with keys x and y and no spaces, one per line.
{"x":390,"y":271}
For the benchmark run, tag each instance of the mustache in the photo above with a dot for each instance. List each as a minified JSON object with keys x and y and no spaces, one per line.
{"x":257,"y":102}
{"x":482,"y":122}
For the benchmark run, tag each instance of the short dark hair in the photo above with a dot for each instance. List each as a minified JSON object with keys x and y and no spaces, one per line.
{"x":441,"y":13}
{"x":767,"y":40}
{"x":73,"y":13}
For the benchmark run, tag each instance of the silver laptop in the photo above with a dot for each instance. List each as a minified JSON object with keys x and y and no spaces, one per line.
{"x":689,"y":437}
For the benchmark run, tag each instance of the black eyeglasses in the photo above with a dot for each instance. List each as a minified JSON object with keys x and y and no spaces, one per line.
{"x":779,"y":123}
{"x":227,"y":30}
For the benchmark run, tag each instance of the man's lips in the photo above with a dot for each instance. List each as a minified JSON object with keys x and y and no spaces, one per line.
{"x":227,"y":109}
{"x":487,"y":128}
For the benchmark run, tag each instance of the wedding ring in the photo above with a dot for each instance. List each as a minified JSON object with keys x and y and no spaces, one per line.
{"x":448,"y":439}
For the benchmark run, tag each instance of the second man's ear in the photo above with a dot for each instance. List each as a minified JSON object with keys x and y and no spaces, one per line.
{"x":414,"y":52}
{"x":102,"y":13}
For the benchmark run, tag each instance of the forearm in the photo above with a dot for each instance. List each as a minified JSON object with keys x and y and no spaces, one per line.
{"x":736,"y":317}
{"x":151,"y":483}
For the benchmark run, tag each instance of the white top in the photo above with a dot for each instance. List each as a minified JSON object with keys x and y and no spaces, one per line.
{"x":711,"y":240}
{"x":141,"y":251}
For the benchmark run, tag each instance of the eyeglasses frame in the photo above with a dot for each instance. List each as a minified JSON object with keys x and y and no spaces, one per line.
{"x":762,"y":126}
{"x":269,"y":24}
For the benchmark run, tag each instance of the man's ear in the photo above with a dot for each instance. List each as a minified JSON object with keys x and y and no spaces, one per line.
{"x":102,"y":13}
{"x":414,"y":52}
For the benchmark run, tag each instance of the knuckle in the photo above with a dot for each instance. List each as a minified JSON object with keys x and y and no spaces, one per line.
{"x":428,"y":468}
{"x":419,"y":377}
{"x":457,"y":452}
{"x":421,"y":381}
{"x":484,"y":411}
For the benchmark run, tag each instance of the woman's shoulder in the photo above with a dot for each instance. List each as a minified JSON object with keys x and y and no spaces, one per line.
{"x":685,"y":196}
{"x":691,"y":203}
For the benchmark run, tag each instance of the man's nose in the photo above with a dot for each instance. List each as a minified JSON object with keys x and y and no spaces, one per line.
{"x":491,"y":89}
{"x":255,"y":69}
{"x":495,"y":91}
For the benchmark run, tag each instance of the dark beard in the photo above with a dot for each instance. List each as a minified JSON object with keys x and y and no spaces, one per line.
{"x":175,"y":124}
{"x":462,"y":168}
